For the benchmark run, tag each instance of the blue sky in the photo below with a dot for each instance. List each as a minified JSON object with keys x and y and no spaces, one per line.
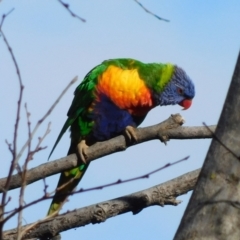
{"x":51,"y":48}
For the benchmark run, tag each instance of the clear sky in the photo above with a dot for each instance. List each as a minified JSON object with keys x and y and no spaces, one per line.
{"x":51,"y":48}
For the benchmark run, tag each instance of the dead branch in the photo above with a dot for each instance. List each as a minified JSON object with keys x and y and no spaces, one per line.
{"x":47,"y":196}
{"x":162,"y":194}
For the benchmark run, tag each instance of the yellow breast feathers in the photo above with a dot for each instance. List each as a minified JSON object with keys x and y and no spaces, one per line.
{"x":125,"y":88}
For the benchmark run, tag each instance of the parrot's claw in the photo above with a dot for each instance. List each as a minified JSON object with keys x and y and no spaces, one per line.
{"x":131,"y":133}
{"x":82,"y":147}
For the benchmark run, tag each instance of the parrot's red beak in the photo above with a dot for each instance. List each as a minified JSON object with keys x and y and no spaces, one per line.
{"x":186,"y":103}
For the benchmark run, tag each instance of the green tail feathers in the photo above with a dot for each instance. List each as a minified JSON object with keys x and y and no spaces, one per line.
{"x":66,"y":125}
{"x":66,"y":185}
{"x":68,"y":179}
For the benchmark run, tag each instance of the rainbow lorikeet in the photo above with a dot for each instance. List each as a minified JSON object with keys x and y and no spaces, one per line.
{"x":115,"y":97}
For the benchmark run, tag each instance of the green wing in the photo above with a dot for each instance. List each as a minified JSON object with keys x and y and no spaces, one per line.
{"x":83,"y":97}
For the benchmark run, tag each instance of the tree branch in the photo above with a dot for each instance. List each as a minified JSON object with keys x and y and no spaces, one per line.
{"x":162,"y":194}
{"x":213,"y":211}
{"x":66,"y":5}
{"x":40,"y":121}
{"x":169,"y":129}
{"x":12,"y":147}
{"x":151,"y":13}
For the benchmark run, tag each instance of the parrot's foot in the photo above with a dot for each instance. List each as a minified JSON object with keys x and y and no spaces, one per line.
{"x":82,"y":147}
{"x":131,"y":133}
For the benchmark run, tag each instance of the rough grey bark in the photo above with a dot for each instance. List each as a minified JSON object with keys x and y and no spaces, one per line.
{"x":162,"y":194}
{"x":214,"y":208}
{"x":168,"y":129}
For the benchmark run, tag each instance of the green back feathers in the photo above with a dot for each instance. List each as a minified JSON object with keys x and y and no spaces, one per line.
{"x":155,"y":75}
{"x":165,"y":75}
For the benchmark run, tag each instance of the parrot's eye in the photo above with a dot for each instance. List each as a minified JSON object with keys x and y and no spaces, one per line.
{"x":180,"y":91}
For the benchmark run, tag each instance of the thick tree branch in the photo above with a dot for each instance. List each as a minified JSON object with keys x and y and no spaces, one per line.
{"x":162,"y":194}
{"x":47,"y":195}
{"x":169,"y":129}
{"x":213,"y":211}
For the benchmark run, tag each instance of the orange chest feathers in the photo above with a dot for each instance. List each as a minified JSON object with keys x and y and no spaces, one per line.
{"x":126,"y":90}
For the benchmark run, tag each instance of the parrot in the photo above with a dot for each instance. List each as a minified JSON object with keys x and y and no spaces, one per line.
{"x":113,"y":99}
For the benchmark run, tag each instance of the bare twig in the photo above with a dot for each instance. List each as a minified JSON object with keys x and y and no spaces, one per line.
{"x":24,"y":172}
{"x":119,"y":181}
{"x":6,"y":203}
{"x":9,"y":146}
{"x":45,"y":187}
{"x":153,"y":14}
{"x":221,"y":143}
{"x":44,"y":117}
{"x":4,"y":16}
{"x":14,"y":152}
{"x":66,"y":5}
{"x":12,"y":149}
{"x":29,"y":128}
{"x":38,"y":146}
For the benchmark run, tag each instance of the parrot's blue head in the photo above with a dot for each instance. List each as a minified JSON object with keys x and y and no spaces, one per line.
{"x":180,"y":90}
